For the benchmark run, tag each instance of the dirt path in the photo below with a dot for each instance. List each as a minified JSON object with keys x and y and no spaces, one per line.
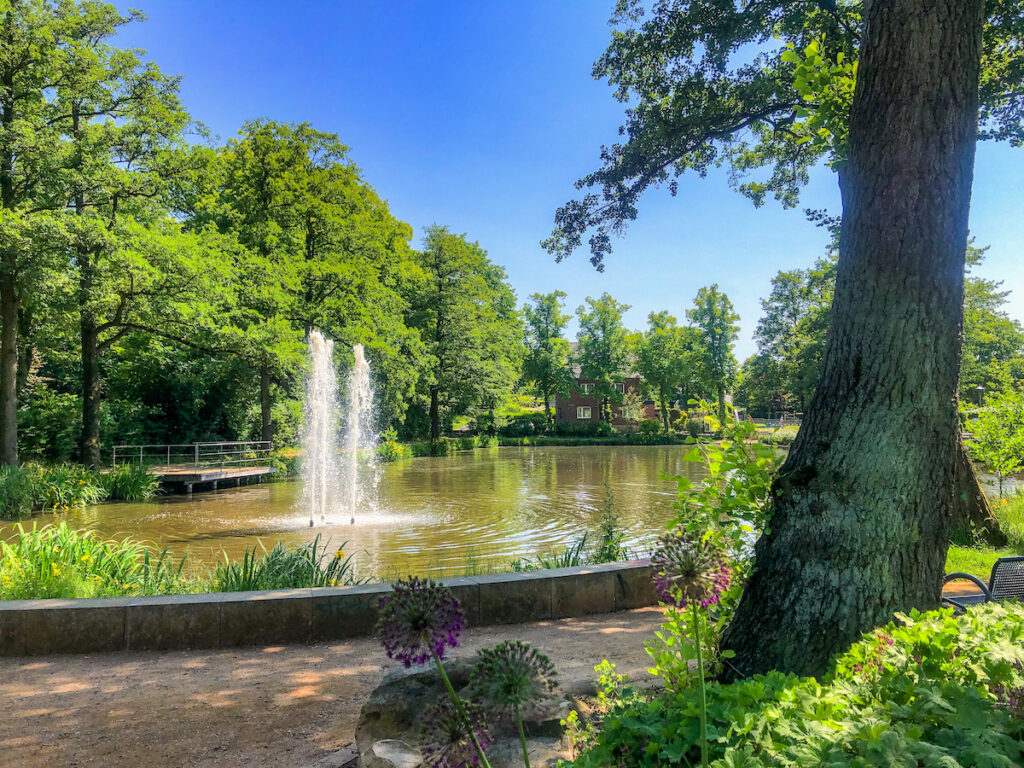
{"x":252,"y":707}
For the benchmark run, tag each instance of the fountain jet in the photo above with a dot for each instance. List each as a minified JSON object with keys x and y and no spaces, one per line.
{"x":359,"y":435}
{"x":320,"y":465}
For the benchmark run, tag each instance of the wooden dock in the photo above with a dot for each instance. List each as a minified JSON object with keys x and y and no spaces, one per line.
{"x":188,"y":467}
{"x":185,"y":479}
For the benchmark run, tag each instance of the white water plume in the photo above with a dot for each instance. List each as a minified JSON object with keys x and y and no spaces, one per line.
{"x":320,"y":416}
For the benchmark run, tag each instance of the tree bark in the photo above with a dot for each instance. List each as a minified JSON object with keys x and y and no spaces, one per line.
{"x":9,"y":307}
{"x":89,"y":444}
{"x":664,"y":410}
{"x":972,"y":516}
{"x":721,"y":405}
{"x":266,"y":404}
{"x":862,"y":506}
{"x":435,"y":415}
{"x":548,"y":418}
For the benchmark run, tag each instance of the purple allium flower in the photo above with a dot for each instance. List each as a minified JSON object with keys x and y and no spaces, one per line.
{"x":689,"y":569}
{"x":418,"y":619}
{"x":444,"y":740}
{"x":512,"y":676}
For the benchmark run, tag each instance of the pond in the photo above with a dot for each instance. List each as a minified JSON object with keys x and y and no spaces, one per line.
{"x":442,"y":516}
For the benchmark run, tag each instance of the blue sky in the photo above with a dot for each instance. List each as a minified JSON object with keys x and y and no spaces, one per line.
{"x":481,"y":115}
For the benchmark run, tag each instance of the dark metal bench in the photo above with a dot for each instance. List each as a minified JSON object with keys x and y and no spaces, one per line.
{"x":1006,"y":582}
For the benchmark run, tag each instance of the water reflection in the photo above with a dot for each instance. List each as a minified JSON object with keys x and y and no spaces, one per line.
{"x":435,"y":515}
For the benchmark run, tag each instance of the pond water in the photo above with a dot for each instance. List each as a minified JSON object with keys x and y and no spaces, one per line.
{"x":440,"y":516}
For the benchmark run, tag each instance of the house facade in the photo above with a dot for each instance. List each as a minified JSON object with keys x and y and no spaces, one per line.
{"x":582,"y":405}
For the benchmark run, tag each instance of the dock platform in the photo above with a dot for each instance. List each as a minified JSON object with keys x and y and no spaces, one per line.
{"x":186,"y":479}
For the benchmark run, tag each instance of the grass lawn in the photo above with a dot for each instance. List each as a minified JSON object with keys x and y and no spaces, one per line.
{"x":978,"y":560}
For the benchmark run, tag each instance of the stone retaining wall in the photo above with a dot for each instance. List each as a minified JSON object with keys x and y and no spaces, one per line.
{"x":231,"y":619}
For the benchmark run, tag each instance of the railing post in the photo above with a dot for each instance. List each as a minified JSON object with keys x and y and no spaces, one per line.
{"x":197,"y":454}
{"x":168,"y":455}
{"x":113,"y":458}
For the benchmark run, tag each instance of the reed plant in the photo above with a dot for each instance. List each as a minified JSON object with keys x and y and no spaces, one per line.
{"x":64,"y":486}
{"x":17,"y":493}
{"x":285,"y":566}
{"x":130,"y":482}
{"x":55,"y":561}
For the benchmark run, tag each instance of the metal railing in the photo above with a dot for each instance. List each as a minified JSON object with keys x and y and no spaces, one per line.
{"x":248,"y":453}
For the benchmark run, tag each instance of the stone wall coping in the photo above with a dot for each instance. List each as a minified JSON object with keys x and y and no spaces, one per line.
{"x":230,"y":619}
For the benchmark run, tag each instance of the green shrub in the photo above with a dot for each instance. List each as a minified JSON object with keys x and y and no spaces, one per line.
{"x":938,"y":690}
{"x":524,"y":425}
{"x":1010,"y":513}
{"x":56,"y":561}
{"x":465,"y":443}
{"x":129,"y":482}
{"x":650,"y":427}
{"x":17,"y":493}
{"x":420,"y":449}
{"x":390,"y":450}
{"x":285,"y":567}
{"x":693,"y":427}
{"x":286,"y":464}
{"x":442,"y":447}
{"x":486,"y":441}
{"x":780,"y":436}
{"x":65,"y":486}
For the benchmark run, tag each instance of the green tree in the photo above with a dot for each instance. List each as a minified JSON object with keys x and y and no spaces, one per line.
{"x":696,"y":99}
{"x":665,"y":359}
{"x":715,"y":319}
{"x":993,"y":350}
{"x":546,"y":364}
{"x":603,"y":349}
{"x":998,"y":434}
{"x":466,"y":315}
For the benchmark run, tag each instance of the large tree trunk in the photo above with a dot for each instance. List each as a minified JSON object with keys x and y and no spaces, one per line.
{"x":89,"y":445}
{"x":266,"y":404}
{"x":8,"y":362}
{"x":89,"y":442}
{"x":972,"y":515}
{"x":664,"y":410}
{"x":435,"y":415}
{"x":862,"y":505}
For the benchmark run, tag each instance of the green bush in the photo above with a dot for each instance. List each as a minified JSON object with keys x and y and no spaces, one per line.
{"x":442,"y":447}
{"x":693,"y":427}
{"x":524,"y":425}
{"x":650,"y":427}
{"x":390,"y":450}
{"x":465,"y":443}
{"x":286,"y":464}
{"x":486,"y":441}
{"x":936,"y":690}
{"x":56,"y":561}
{"x":17,"y":493}
{"x":129,"y":482}
{"x":65,"y":486}
{"x":780,"y":436}
{"x":285,"y":567}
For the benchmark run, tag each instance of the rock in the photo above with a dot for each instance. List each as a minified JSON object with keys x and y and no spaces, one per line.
{"x":392,"y":715}
{"x":391,"y":753}
{"x":346,"y":757}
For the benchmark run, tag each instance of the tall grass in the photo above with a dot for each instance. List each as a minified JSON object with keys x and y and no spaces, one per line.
{"x":17,"y":493}
{"x":130,"y":482}
{"x":56,"y":561}
{"x":285,"y":567}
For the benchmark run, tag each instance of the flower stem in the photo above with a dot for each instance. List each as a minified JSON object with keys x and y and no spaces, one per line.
{"x":522,"y":738}
{"x":703,"y":692}
{"x":462,"y":713}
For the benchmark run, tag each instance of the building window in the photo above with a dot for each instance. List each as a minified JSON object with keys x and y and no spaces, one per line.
{"x":586,"y":388}
{"x":620,"y":388}
{"x":583,"y":412}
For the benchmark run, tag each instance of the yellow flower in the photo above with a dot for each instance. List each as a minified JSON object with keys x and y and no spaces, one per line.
{"x":339,"y":553}
{"x":86,"y":559}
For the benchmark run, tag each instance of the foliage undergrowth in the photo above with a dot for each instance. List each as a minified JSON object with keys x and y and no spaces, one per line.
{"x":57,"y":562}
{"x":129,"y":482}
{"x":315,"y":564}
{"x":934,"y":690}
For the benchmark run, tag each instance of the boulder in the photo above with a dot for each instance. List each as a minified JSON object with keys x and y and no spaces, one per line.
{"x":392,"y":716}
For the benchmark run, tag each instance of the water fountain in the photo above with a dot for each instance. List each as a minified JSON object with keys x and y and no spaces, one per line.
{"x":360,"y":439}
{"x":320,"y":416}
{"x":322,"y":467}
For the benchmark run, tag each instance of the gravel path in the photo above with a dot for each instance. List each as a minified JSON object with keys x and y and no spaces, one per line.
{"x":252,"y":707}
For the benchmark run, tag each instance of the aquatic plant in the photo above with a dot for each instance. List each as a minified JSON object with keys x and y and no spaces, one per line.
{"x":285,"y":566}
{"x":129,"y":482}
{"x":17,"y":493}
{"x":57,"y":561}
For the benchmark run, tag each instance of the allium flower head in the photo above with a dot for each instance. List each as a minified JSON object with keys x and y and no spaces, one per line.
{"x":444,"y":741}
{"x":419,"y":618}
{"x":512,"y":675}
{"x":689,"y":569}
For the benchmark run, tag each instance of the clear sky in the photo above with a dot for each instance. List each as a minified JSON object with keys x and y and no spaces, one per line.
{"x":481,"y":115}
